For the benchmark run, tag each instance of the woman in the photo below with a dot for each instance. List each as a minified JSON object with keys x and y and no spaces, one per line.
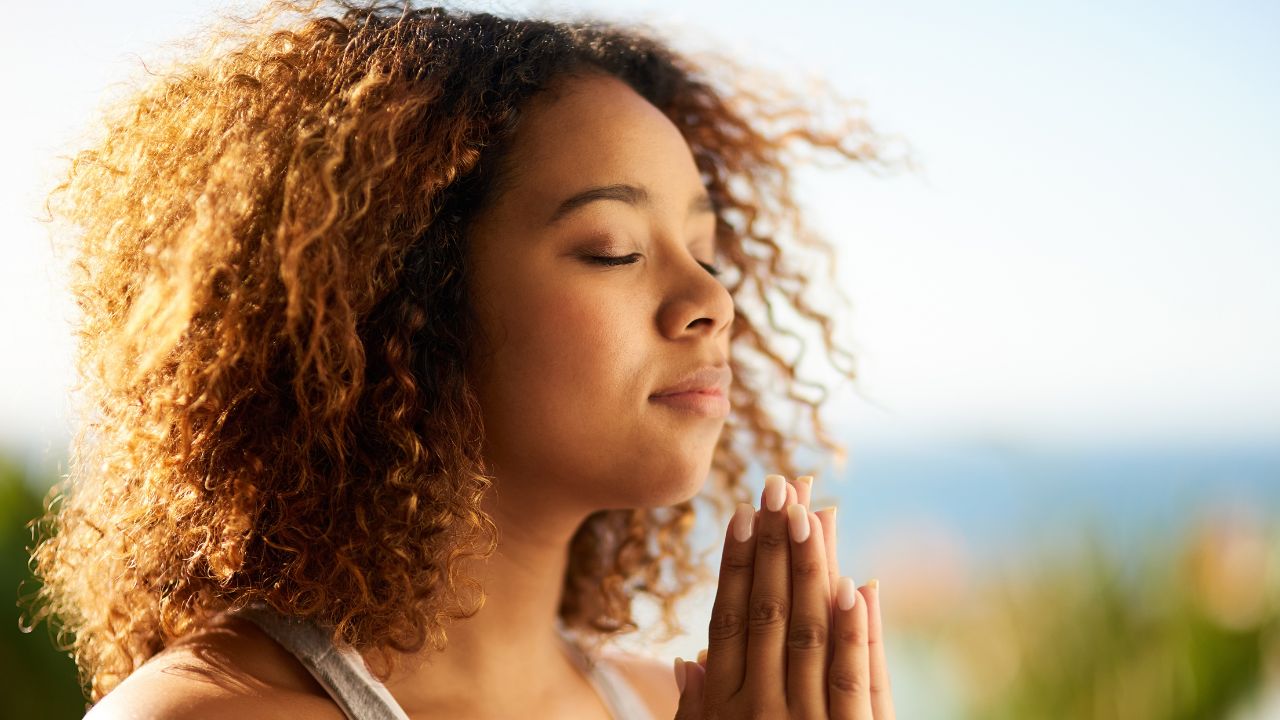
{"x":406,"y":354}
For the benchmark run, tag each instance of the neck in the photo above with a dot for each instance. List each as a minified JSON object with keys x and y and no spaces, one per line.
{"x":508,"y":654}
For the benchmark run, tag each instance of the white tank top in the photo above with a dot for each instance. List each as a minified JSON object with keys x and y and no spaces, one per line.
{"x":344,"y":675}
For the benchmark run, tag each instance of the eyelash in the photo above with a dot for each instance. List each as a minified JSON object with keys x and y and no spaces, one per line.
{"x":628,"y":259}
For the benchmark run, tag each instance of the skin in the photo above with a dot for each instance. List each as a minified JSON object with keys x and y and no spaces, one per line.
{"x":577,"y":350}
{"x":782,"y":643}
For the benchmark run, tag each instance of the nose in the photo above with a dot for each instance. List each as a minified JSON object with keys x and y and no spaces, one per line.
{"x":694,"y":302}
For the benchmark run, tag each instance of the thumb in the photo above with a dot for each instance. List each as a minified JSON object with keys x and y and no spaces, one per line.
{"x":690,"y":675}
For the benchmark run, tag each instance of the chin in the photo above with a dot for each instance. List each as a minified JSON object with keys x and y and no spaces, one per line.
{"x":650,"y":479}
{"x":687,"y":488}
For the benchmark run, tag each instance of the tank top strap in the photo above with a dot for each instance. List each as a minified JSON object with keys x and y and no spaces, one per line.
{"x":344,"y":675}
{"x":619,"y":695}
{"x":340,"y":670}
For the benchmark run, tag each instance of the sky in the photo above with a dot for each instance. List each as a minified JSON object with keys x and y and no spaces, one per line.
{"x":1088,"y":255}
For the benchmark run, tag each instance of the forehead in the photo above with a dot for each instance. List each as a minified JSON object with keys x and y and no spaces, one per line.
{"x":595,"y":130}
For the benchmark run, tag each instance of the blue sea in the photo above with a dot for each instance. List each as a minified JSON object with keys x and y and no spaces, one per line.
{"x":996,"y":495}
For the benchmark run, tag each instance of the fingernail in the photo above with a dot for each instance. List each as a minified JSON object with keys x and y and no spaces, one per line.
{"x":775,"y":492}
{"x":702,"y":656}
{"x":679,"y":668}
{"x":846,"y":593}
{"x":804,"y":490}
{"x":798,"y":519}
{"x":743,"y":518}
{"x":874,"y":584}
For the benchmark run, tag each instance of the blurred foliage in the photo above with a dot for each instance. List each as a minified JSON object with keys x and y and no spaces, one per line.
{"x":1190,"y":630}
{"x":39,"y":681}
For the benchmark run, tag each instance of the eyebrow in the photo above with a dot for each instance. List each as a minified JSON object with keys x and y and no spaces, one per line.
{"x":634,"y":195}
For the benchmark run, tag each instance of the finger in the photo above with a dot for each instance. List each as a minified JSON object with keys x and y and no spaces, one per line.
{"x":692,"y":683}
{"x":775,"y":486}
{"x":804,"y":490}
{"x":881,"y":690}
{"x":702,"y":658}
{"x":809,"y":630}
{"x":770,"y":603}
{"x":827,"y":516}
{"x":727,"y":632}
{"x":848,"y":680}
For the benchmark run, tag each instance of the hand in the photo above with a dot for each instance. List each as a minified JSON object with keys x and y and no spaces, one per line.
{"x":803,"y":487}
{"x":781,"y":645}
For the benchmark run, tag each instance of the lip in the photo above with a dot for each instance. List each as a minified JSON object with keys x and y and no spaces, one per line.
{"x":710,"y":404}
{"x":707,"y":379}
{"x":702,"y":392}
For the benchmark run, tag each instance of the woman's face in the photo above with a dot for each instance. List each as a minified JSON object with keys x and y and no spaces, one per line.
{"x":580,"y":347}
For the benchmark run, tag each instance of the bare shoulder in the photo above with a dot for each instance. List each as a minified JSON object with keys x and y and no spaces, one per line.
{"x":228,"y":671}
{"x":652,"y":678}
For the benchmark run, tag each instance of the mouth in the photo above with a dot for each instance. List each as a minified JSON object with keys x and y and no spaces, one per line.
{"x":702,"y":403}
{"x":709,"y":379}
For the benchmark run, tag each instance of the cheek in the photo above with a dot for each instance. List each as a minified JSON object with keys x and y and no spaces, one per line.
{"x":569,"y":361}
{"x":568,"y":399}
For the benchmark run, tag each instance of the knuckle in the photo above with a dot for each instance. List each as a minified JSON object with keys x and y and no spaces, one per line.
{"x":773,"y":541}
{"x":726,"y":625}
{"x":767,"y":612}
{"x":851,"y":636}
{"x":738,"y":564}
{"x":845,"y":680}
{"x":808,"y":569}
{"x":807,"y":636}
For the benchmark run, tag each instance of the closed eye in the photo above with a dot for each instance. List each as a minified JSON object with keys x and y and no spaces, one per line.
{"x":628,"y":259}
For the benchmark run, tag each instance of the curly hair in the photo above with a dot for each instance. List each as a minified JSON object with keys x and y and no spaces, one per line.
{"x":268,"y":263}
